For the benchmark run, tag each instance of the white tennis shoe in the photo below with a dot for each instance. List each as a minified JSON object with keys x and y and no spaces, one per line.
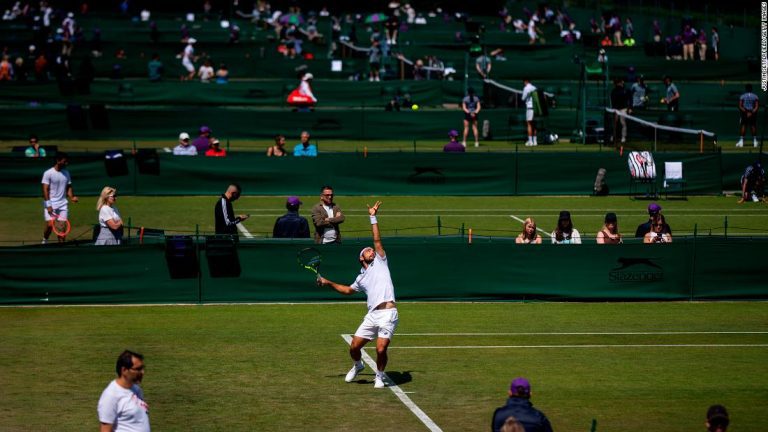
{"x":378,"y":382}
{"x":352,"y":374}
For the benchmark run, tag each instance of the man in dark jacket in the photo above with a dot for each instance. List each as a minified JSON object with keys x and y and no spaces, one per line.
{"x":520,"y":407}
{"x":226,"y":221}
{"x":327,"y":216}
{"x":291,"y":225}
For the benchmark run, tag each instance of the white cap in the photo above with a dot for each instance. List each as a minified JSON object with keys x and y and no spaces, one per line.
{"x":70,"y":15}
{"x":183,"y":136}
{"x":307,"y":76}
{"x":191,"y":40}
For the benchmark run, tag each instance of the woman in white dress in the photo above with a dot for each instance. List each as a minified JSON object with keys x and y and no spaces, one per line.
{"x":110,"y":223}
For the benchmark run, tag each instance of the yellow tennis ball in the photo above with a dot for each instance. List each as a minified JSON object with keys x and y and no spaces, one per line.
{"x":415,"y":107}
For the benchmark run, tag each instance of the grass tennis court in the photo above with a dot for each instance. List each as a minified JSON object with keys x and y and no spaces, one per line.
{"x":630,"y":366}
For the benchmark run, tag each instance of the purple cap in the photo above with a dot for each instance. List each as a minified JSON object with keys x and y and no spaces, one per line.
{"x":653,"y":208}
{"x":453,"y":133}
{"x":520,"y":386}
{"x":205,"y":129}
{"x":293,"y":201}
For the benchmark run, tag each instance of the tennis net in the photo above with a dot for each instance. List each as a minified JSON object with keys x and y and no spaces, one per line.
{"x":672,"y":131}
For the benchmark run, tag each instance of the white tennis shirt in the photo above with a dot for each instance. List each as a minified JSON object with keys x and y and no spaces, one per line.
{"x":375,"y":282}
{"x":124,"y":408}
{"x":57,"y":182}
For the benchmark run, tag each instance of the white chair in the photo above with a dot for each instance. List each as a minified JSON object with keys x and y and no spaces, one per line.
{"x":673,"y":178}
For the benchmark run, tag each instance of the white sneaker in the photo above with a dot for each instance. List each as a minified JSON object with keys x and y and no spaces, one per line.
{"x":528,"y":143}
{"x":464,"y":143}
{"x":740,"y":143}
{"x":477,"y":144}
{"x":45,"y":241}
{"x":379,"y":383}
{"x":755,"y":143}
{"x":352,"y":374}
{"x":623,"y":140}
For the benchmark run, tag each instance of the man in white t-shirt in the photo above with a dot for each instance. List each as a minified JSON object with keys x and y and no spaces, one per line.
{"x":381,"y":320}
{"x":529,"y":92}
{"x":57,"y":186}
{"x":121,"y":406}
{"x":188,"y":58}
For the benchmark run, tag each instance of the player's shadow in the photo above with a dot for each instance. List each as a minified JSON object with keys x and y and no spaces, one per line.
{"x":400,"y":378}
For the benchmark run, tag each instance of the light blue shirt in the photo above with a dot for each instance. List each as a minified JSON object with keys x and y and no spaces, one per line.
{"x":309,"y":151}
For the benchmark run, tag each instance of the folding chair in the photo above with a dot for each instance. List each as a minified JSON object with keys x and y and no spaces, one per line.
{"x":673,"y":178}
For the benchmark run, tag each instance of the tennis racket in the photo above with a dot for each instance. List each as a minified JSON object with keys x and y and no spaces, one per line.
{"x":310,"y":258}
{"x":60,"y":227}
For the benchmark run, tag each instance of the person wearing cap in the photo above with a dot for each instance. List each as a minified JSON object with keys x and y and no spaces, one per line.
{"x":565,"y":233}
{"x":35,"y":150}
{"x":203,"y":141}
{"x":471,"y":107}
{"x":717,"y":419}
{"x":326,"y":217}
{"x":305,"y":87}
{"x":291,"y":225}
{"x":657,"y":233}
{"x":382,"y":318}
{"x":188,"y":59}
{"x":645,"y":228}
{"x":304,"y":148}
{"x":184,"y":148}
{"x":520,"y":407}
{"x":609,"y":234}
{"x":752,"y":183}
{"x":215,"y":150}
{"x":454,"y":146}
{"x":224,"y":215}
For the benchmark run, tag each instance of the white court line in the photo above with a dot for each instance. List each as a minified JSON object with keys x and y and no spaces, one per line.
{"x":245,"y":232}
{"x":586,"y":346}
{"x":537,"y":228}
{"x":583,"y":333}
{"x":431,"y":425}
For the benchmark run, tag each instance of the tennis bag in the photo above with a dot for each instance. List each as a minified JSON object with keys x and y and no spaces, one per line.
{"x":641,"y":165}
{"x":295,"y":98}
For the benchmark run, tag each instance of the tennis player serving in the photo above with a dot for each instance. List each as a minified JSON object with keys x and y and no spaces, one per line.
{"x":381,"y":320}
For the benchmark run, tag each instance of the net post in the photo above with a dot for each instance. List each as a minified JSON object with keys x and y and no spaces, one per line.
{"x":129,"y":229}
{"x":725,"y":226}
{"x":439,"y":225}
{"x":701,"y":141}
{"x":462,"y":229}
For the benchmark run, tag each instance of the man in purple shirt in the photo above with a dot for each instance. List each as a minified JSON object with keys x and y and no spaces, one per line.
{"x":202,"y":142}
{"x":454,"y":146}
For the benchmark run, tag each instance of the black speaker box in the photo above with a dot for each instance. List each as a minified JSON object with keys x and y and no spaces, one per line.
{"x":181,"y":257}
{"x":221,"y":253}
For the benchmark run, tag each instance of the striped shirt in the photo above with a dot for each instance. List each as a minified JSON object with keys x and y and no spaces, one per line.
{"x":748,"y":100}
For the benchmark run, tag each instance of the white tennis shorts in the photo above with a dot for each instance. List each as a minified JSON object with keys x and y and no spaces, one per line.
{"x":381,"y":323}
{"x":188,"y":65}
{"x":529,"y":114}
{"x":62,"y":212}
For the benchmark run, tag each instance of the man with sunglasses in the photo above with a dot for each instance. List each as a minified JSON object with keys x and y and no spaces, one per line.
{"x":121,"y":405}
{"x":327,"y":216}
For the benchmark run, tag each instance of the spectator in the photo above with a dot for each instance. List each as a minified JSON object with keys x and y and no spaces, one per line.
{"x":110,"y":222}
{"x":749,"y":103}
{"x":122,"y":402}
{"x":304,"y":148}
{"x":701,"y":41}
{"x":752,"y":183}
{"x":326,"y":217}
{"x":374,"y":60}
{"x":639,"y":93}
{"x":203,"y":141}
{"x":520,"y":407}
{"x":184,"y":149}
{"x":471,"y":107}
{"x":453,"y":146}
{"x":716,"y":43}
{"x":188,"y":59}
{"x":34,"y":150}
{"x":483,"y":66}
{"x":533,"y":29}
{"x":277,"y":150}
{"x":206,"y":73}
{"x":673,"y":96}
{"x":657,"y":233}
{"x":645,"y":228}
{"x":305,"y":87}
{"x":155,"y":68}
{"x":6,"y":69}
{"x":529,"y":92}
{"x":565,"y":233}
{"x":291,"y":225}
{"x":419,"y":72}
{"x":223,"y":213}
{"x":689,"y":39}
{"x":391,"y":27}
{"x":609,"y":234}
{"x":717,"y":419}
{"x":392,"y":105}
{"x":215,"y":149}
{"x":530,"y":234}
{"x":222,"y":74}
{"x":620,"y":100}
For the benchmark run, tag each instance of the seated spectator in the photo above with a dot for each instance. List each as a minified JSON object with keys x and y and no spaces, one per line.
{"x":565,"y":233}
{"x":392,"y":105}
{"x":717,"y":419}
{"x":657,"y":233}
{"x":277,"y":150}
{"x":753,"y":183}
{"x":155,"y":68}
{"x":454,"y":146}
{"x":529,"y":235}
{"x":184,"y":148}
{"x":205,"y":73}
{"x":304,"y":148}
{"x":291,"y":225}
{"x":609,"y":234}
{"x":520,"y":407}
{"x":215,"y":150}
{"x":222,"y":75}
{"x":34,"y":150}
{"x":203,"y":141}
{"x":645,"y":228}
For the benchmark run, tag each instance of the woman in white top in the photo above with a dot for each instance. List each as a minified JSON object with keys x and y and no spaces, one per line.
{"x":565,"y":233}
{"x":609,"y":234}
{"x":657,"y":234}
{"x":205,"y":73}
{"x":110,"y":224}
{"x":529,"y":234}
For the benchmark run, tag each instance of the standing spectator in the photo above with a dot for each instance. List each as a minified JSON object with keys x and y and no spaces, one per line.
{"x":533,"y":29}
{"x":614,"y":23}
{"x":657,"y":233}
{"x":639,"y":93}
{"x":609,"y":234}
{"x":689,"y":39}
{"x":121,"y":405}
{"x":749,"y":103}
{"x":471,"y":107}
{"x":391,"y":27}
{"x":57,"y":187}
{"x":277,"y":150}
{"x":644,"y":228}
{"x":752,"y":183}
{"x":6,"y":69}
{"x":520,"y":407}
{"x":672,"y":100}
{"x":529,"y":92}
{"x":291,"y":225}
{"x":203,"y":140}
{"x":34,"y":150}
{"x":110,"y":223}
{"x":206,"y":72}
{"x":717,"y":419}
{"x":716,"y":43}
{"x":223,"y":213}
{"x":184,"y":148}
{"x":155,"y":68}
{"x":453,"y":145}
{"x":374,"y":60}
{"x":188,"y":59}
{"x":304,"y":148}
{"x":305,"y":87}
{"x":326,"y":217}
{"x":530,"y":234}
{"x":620,"y":100}
{"x":565,"y":233}
{"x":483,"y":66}
{"x":215,"y":150}
{"x":701,"y":41}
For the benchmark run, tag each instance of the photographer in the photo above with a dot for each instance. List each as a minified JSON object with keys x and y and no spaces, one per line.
{"x":658,"y":234}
